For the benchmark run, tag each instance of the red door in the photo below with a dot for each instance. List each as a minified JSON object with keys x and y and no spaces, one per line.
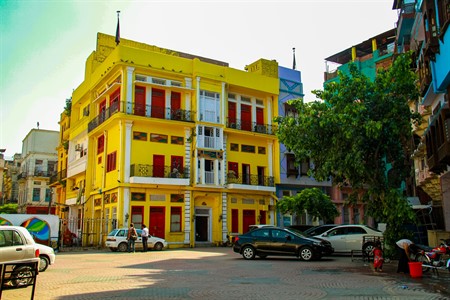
{"x":234,"y":221}
{"x":114,"y":102}
{"x":175,"y":106}
{"x":137,"y":215}
{"x":263,"y":215}
{"x":231,"y":114}
{"x":139,"y":101}
{"x":158,"y":166}
{"x":246,"y":117}
{"x":102,"y":111}
{"x":158,"y":103}
{"x":156,"y":225}
{"x":259,"y":116}
{"x":248,"y":219}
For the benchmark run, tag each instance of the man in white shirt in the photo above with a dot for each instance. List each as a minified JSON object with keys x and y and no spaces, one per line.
{"x":403,"y":249}
{"x":144,"y":236}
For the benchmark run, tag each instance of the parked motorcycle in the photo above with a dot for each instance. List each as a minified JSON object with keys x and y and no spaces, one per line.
{"x":437,"y":258}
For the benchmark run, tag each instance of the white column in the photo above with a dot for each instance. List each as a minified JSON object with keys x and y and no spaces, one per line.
{"x":202,"y":170}
{"x":167,"y":111}
{"x":198,"y":98}
{"x":253,"y":113}
{"x":187,"y":218}
{"x":127,"y":152}
{"x":216,"y":172}
{"x":222,"y":111}
{"x":148,"y":101}
{"x":270,"y":157}
{"x":268,"y":109}
{"x":129,"y":96}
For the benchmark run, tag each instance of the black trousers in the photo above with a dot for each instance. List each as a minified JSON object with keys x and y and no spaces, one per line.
{"x":144,"y":243}
{"x":403,"y":261}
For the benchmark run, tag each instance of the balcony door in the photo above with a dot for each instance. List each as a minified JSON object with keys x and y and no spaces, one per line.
{"x":139,"y":101}
{"x":246,"y":117}
{"x":158,"y":103}
{"x":245,"y":174}
{"x":231,"y":114}
{"x":175,"y":106}
{"x":158,"y":166}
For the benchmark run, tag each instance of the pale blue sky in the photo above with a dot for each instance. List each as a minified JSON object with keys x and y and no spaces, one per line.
{"x":44,"y":43}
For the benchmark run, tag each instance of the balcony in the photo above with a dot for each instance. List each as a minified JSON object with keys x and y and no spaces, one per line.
{"x":248,"y":179}
{"x":142,"y":170}
{"x":251,"y":126}
{"x":438,"y":141}
{"x":147,"y":111}
{"x":58,"y":176}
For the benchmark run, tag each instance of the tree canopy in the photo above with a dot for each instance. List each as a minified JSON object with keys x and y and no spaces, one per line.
{"x":10,"y":208}
{"x":357,"y":133}
{"x":313,"y":200}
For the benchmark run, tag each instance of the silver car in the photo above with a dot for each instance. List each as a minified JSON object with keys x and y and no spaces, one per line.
{"x":345,"y":238}
{"x":117,"y":241}
{"x":20,"y":252}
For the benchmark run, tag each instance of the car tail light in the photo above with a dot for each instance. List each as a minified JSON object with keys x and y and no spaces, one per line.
{"x":236,"y":239}
{"x":36,"y":253}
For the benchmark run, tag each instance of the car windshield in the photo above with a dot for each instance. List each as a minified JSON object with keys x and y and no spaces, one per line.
{"x":113,"y":233}
{"x":296,"y":232}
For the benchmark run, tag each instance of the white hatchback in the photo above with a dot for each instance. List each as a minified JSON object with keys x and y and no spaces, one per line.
{"x":117,"y":241}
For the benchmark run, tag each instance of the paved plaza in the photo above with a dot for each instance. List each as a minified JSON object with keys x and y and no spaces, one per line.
{"x":219,"y":273}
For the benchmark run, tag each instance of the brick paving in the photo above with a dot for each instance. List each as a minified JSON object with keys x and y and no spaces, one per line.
{"x":219,"y":273}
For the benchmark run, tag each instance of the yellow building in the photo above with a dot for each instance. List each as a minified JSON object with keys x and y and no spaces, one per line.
{"x":181,"y":143}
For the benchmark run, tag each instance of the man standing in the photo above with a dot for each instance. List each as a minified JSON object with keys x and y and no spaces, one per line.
{"x":144,"y":236}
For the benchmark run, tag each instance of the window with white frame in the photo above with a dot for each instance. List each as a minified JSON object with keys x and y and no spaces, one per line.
{"x":209,"y":107}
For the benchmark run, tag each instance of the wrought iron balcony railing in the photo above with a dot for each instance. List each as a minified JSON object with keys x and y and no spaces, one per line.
{"x":143,"y":170}
{"x":141,"y":110}
{"x":251,"y":126}
{"x":58,"y":176}
{"x":233,"y":178}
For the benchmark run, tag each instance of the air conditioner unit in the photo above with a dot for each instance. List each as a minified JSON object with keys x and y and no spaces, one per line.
{"x":78,"y":147}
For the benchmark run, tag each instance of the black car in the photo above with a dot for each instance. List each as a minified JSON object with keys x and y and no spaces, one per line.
{"x":267,"y":241}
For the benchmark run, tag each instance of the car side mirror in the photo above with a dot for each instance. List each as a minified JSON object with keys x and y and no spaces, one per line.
{"x":325,"y":234}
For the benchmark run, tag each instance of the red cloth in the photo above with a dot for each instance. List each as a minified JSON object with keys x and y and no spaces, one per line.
{"x":378,"y":258}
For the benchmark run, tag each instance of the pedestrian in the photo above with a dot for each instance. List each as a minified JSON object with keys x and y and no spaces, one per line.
{"x":378,"y":257}
{"x":131,"y":237}
{"x":144,"y":236}
{"x":403,"y":246}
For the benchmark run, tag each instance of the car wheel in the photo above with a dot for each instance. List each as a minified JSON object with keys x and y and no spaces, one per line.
{"x":43,"y":263}
{"x":248,"y":252}
{"x":368,"y":249}
{"x":123,"y":247}
{"x":113,"y":249}
{"x":22,"y":276}
{"x":158,"y":246}
{"x":306,"y":253}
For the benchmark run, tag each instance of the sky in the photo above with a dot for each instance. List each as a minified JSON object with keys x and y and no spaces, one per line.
{"x":44,"y":44}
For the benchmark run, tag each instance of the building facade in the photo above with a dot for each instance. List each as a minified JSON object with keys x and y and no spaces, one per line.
{"x":181,"y":143}
{"x":38,"y":164}
{"x":423,"y":29}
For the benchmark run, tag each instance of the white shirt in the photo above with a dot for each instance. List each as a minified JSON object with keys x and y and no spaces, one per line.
{"x":144,"y":232}
{"x":401,"y":243}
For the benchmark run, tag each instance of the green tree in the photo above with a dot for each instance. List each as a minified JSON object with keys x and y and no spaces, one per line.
{"x":358,"y":135}
{"x":10,"y":208}
{"x":313,"y":200}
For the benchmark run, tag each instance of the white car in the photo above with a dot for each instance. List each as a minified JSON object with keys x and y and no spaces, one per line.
{"x":345,"y":238}
{"x":20,"y":252}
{"x":117,"y":240}
{"x":46,"y":256}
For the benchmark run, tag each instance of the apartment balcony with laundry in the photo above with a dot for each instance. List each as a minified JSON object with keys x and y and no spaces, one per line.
{"x":148,"y":111}
{"x":58,"y":177}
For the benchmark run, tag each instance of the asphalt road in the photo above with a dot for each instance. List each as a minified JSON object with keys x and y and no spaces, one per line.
{"x":219,"y":273}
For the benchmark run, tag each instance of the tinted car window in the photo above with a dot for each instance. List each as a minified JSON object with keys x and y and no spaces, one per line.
{"x":260,"y":233}
{"x":356,"y":230}
{"x":338,"y":231}
{"x":122,"y":233}
{"x":10,"y":238}
{"x":279,"y":233}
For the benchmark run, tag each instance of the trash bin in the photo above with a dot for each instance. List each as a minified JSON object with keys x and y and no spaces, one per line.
{"x":415,"y":269}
